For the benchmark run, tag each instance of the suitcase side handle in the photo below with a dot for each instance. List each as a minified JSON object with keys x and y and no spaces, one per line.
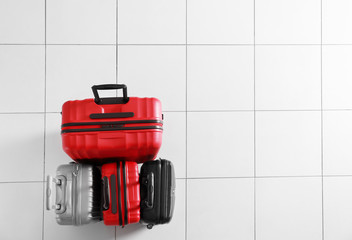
{"x":106,"y":195}
{"x":60,"y":185}
{"x":116,"y":100}
{"x":149,"y":184}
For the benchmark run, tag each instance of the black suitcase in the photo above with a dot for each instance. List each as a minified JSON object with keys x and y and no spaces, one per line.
{"x":157,"y":183}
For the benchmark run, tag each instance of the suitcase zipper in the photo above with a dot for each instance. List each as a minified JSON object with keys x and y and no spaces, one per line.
{"x":125,"y":192}
{"x":109,"y":123}
{"x":110,"y":129}
{"x":111,"y":126}
{"x":119,"y":192}
{"x":163,"y":190}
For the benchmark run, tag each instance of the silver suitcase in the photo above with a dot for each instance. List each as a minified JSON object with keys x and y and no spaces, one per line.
{"x":78,"y":194}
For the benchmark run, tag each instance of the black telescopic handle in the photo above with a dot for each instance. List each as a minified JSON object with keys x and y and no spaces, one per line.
{"x":95,"y":89}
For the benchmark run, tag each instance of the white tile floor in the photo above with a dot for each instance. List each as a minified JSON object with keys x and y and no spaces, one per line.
{"x":256,"y":97}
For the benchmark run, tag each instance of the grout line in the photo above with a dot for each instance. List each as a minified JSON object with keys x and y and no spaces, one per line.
{"x":44,"y":153}
{"x":117,"y":53}
{"x":322,"y":120}
{"x":10,"y":182}
{"x":344,"y":175}
{"x":254,"y":131}
{"x":263,"y":177}
{"x":186,"y":128}
{"x":4,"y":113}
{"x":214,"y":111}
{"x":175,"y":44}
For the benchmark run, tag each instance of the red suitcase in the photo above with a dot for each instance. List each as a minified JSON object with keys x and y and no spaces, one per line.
{"x":120,"y":128}
{"x":121,"y":193}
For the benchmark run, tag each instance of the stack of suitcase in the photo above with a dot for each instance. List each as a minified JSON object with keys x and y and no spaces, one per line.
{"x":107,"y":138}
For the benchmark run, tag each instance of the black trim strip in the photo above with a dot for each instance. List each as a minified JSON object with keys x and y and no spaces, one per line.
{"x":125,"y":191}
{"x":119,"y":191}
{"x":109,"y":123}
{"x":110,"y":129}
{"x":111,"y":115}
{"x":113,"y":194}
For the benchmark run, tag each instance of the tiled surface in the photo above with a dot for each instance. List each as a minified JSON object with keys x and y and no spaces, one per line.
{"x":256,"y":97}
{"x":54,"y":231}
{"x":155,"y":71}
{"x":220,"y":78}
{"x":174,"y":145}
{"x":22,"y":147}
{"x":81,"y":22}
{"x":338,"y":208}
{"x":337,"y":18}
{"x":337,"y":142}
{"x":54,"y":154}
{"x":22,"y":21}
{"x":21,"y":211}
{"x":214,"y":151}
{"x":72,"y":70}
{"x":220,"y":21}
{"x":22,"y":68}
{"x":288,"y":77}
{"x":288,"y":143}
{"x":289,"y":208}
{"x":151,"y":22}
{"x":337,"y":74}
{"x":287,"y":21}
{"x":232,"y":217}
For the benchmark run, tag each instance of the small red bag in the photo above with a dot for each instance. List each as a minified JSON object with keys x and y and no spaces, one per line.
{"x":121,"y":193}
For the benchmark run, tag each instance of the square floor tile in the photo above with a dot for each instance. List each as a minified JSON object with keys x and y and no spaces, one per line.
{"x":73,"y":70}
{"x":22,"y":72}
{"x":81,"y":21}
{"x":151,"y":22}
{"x":54,"y":154}
{"x":22,"y":21}
{"x":337,"y":20}
{"x":174,"y":230}
{"x":92,"y":231}
{"x":22,"y":146}
{"x":288,"y":143}
{"x":174,"y":141}
{"x":337,"y":208}
{"x":155,"y":71}
{"x":289,"y":208}
{"x":337,"y":142}
{"x":288,"y":77}
{"x":21,"y":210}
{"x":287,"y":21}
{"x":220,"y":77}
{"x":220,"y":209}
{"x":220,"y":21}
{"x":220,"y":144}
{"x":337,"y":74}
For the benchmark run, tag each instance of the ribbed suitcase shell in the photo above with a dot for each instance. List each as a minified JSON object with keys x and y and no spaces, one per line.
{"x":79,"y":194}
{"x":125,"y":201}
{"x":103,"y":145}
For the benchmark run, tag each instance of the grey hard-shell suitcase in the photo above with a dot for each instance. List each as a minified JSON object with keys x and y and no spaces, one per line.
{"x":78,"y":194}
